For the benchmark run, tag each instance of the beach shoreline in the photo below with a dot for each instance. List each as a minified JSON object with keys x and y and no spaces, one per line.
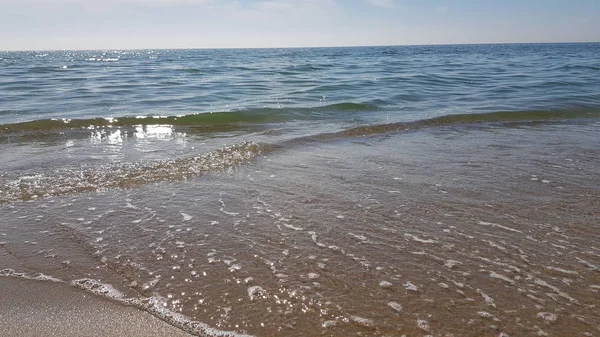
{"x":38,"y":308}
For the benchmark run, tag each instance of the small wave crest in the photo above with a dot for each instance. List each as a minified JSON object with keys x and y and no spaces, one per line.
{"x":39,"y":277}
{"x":223,"y":121}
{"x":501,"y":117}
{"x":211,"y":119}
{"x":126,"y":175}
{"x":153,"y":305}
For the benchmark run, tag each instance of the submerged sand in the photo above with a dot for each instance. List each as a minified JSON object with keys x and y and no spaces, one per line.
{"x":485,"y":230}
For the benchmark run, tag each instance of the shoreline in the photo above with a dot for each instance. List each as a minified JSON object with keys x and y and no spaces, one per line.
{"x":39,"y":308}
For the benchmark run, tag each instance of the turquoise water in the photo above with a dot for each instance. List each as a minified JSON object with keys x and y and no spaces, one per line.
{"x":377,"y":191}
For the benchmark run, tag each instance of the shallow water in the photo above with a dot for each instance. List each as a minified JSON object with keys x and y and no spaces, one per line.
{"x":340,"y":220}
{"x":476,"y":230}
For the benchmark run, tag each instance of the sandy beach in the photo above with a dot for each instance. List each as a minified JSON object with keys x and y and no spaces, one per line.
{"x":36,"y":308}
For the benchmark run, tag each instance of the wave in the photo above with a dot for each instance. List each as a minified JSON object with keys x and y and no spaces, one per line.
{"x":274,"y":115}
{"x":126,"y":175}
{"x":129,"y":175}
{"x":248,"y":116}
{"x":500,"y":117}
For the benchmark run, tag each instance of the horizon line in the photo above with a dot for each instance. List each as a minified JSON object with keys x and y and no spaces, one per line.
{"x":298,"y":47}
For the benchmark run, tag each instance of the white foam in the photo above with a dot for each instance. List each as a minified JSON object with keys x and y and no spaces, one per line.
{"x":313,"y":236}
{"x":564,"y":271}
{"x":98,"y":288}
{"x":495,"y":245}
{"x":293,"y":227}
{"x":328,"y":324}
{"x":416,"y":238}
{"x":451,"y":263}
{"x":186,"y":217}
{"x":396,"y":306}
{"x":359,"y":237}
{"x":484,"y":314}
{"x":39,"y":277}
{"x":543,"y":283}
{"x":488,"y":300}
{"x":255,"y":291}
{"x":385,"y":284}
{"x":547,"y":316}
{"x":501,"y":277}
{"x":410,"y":286}
{"x":222,"y":209}
{"x":313,"y":276}
{"x":155,"y":306}
{"x":483,"y":223}
{"x":423,"y":325}
{"x":235,"y":267}
{"x":590,"y":265}
{"x":44,"y":277}
{"x":362,"y":320}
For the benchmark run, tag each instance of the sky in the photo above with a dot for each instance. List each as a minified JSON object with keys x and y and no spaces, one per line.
{"x":136,"y":24}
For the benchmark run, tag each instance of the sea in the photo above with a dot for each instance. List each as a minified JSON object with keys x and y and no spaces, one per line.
{"x":447,"y":190}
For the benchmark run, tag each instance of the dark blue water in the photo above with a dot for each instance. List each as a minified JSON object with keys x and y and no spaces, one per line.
{"x":387,"y":84}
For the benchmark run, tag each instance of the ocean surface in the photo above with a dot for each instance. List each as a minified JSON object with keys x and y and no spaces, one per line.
{"x":368,"y":191}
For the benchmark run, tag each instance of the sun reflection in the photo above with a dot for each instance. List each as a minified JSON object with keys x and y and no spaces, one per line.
{"x":154,"y":131}
{"x":109,"y":136}
{"x":157,"y":132}
{"x":131,"y":142}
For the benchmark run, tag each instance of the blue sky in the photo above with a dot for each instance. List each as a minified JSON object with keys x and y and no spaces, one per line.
{"x":130,"y":24}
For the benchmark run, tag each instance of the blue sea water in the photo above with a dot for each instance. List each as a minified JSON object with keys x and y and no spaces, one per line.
{"x":377,"y":191}
{"x":334,"y":85}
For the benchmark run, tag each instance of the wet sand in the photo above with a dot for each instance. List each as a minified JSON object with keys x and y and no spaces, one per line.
{"x":482,"y":230}
{"x":36,"y":308}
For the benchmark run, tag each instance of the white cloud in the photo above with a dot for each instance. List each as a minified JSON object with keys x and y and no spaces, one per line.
{"x":164,"y":2}
{"x":280,"y":14}
{"x":84,"y":3}
{"x":294,"y":5}
{"x":275,"y":5}
{"x":383,"y":3}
